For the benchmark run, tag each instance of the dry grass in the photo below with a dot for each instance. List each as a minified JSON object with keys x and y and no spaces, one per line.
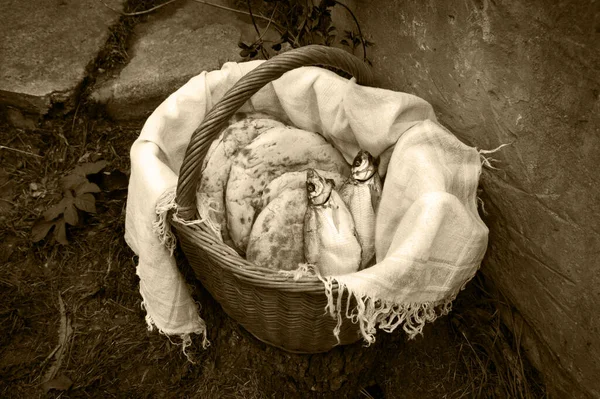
{"x":111,"y":353}
{"x":493,"y":361}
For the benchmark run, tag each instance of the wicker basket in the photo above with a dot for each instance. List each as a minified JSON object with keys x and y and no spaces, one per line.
{"x":275,"y":309}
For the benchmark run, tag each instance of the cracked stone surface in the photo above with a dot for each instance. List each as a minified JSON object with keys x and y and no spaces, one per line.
{"x":493,"y":77}
{"x":46,"y":47}
{"x":173,"y":45}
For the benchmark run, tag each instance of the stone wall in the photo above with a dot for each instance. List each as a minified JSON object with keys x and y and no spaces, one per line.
{"x":524,"y":73}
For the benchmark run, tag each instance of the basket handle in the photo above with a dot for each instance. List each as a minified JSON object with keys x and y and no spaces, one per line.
{"x":235,"y":97}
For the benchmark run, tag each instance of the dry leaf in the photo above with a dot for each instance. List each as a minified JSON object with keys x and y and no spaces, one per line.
{"x":60,"y":383}
{"x":52,"y":380}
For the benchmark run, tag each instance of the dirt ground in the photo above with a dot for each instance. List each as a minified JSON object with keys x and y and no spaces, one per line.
{"x":84,"y":295}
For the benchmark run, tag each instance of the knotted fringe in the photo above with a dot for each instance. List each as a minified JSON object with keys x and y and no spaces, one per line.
{"x":485,"y":161}
{"x":303,"y":270}
{"x":205,"y":207}
{"x":186,"y":339}
{"x":161,"y":226}
{"x":371,"y":313}
{"x":482,"y":204}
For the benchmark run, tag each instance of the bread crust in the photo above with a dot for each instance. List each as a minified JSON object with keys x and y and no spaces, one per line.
{"x":273,"y":153}
{"x":277,"y":237}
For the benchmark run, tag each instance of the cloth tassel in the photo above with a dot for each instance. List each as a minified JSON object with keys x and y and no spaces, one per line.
{"x":303,"y":270}
{"x":487,"y":161}
{"x":205,"y":206}
{"x":370,"y":313}
{"x":161,"y":226}
{"x":186,"y":339}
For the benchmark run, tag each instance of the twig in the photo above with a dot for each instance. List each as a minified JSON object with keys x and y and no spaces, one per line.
{"x":135,"y":14}
{"x":56,"y":348}
{"x":262,"y":49}
{"x":16,"y":205}
{"x":362,"y":39}
{"x":280,"y":28}
{"x":366,"y":393}
{"x":75,"y":117}
{"x":296,"y":42}
{"x":270,"y":20}
{"x":21,"y":151}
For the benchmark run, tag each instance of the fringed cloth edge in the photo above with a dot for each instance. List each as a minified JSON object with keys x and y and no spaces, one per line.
{"x":163,"y":231}
{"x":186,"y":338}
{"x":370,"y":313}
{"x":166,"y":203}
{"x":487,"y":161}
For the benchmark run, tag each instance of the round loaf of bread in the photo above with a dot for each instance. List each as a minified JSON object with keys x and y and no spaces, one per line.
{"x":217,"y":164}
{"x":273,"y":153}
{"x":277,"y":237}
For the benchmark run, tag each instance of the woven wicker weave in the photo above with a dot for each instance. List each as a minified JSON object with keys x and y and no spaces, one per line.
{"x":277,"y":310}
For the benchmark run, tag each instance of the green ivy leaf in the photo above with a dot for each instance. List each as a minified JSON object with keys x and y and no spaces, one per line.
{"x":73,"y":180}
{"x":86,"y":202}
{"x":40,"y":230}
{"x":60,"y":232}
{"x":90,"y":168}
{"x":54,"y":211}
{"x":71,"y":216}
{"x":79,"y":173}
{"x":86,"y":187}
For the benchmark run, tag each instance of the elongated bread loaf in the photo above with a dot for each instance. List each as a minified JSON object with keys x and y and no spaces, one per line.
{"x":277,"y":237}
{"x":217,"y":164}
{"x":273,"y":153}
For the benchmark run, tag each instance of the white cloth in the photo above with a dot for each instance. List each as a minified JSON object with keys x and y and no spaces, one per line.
{"x":430,"y":239}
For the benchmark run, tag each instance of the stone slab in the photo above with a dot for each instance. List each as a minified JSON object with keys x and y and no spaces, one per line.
{"x":46,"y":47}
{"x":175,"y":43}
{"x":525,"y":74}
